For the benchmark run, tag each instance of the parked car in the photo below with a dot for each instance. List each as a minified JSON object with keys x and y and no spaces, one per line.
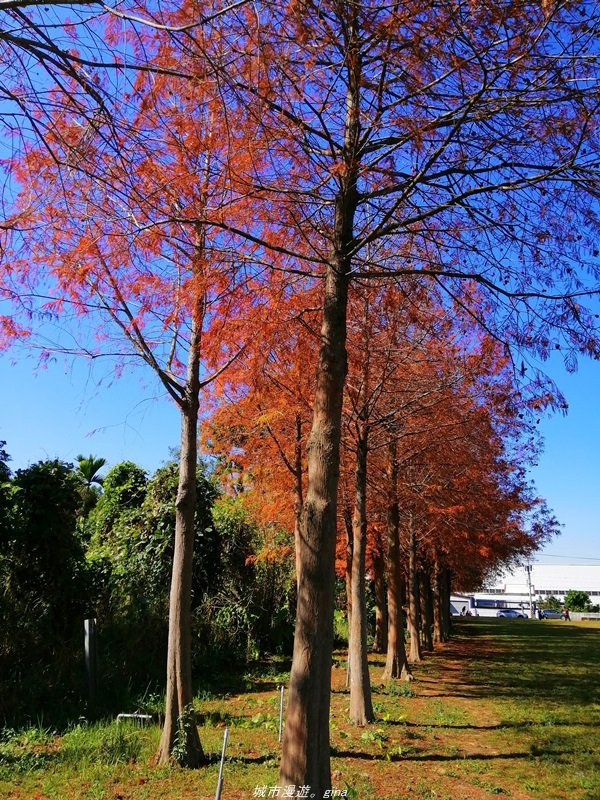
{"x":511,"y":613}
{"x":551,"y":613}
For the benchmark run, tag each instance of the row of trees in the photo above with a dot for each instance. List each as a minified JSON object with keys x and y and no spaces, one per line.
{"x":435,"y":441}
{"x":205,"y":180}
{"x":575,"y":600}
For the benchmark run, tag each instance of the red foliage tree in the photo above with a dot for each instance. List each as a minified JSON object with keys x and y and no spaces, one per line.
{"x":122,"y":248}
{"x":451,"y":131}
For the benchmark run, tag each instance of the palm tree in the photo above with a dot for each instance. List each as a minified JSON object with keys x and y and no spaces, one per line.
{"x":88,"y":469}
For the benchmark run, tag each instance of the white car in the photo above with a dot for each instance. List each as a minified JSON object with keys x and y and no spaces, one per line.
{"x":511,"y":613}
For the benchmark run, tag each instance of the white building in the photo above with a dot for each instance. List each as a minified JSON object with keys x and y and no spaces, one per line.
{"x":546,"y":580}
{"x":517,"y":587}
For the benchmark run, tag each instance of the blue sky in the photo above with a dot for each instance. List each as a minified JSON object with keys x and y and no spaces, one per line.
{"x":74,"y":407}
{"x":568,"y":473}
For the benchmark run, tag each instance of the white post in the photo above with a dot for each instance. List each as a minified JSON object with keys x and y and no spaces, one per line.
{"x":220,"y":780}
{"x":348,"y":671}
{"x":89,"y":630}
{"x":280,"y":713}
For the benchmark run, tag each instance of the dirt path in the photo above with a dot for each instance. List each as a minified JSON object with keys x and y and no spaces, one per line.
{"x":451,"y":740}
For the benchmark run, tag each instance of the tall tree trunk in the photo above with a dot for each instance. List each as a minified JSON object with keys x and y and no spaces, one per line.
{"x":381,"y":616}
{"x":361,"y":706}
{"x":438,"y":623}
{"x":396,"y":665}
{"x":348,"y":570}
{"x":348,"y":581}
{"x":180,"y":733}
{"x":415,"y":654}
{"x":426,"y":611}
{"x":446,"y":592}
{"x":298,"y":494}
{"x":305,"y":759}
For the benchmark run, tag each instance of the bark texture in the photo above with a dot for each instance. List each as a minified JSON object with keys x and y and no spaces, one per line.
{"x":426,"y":611}
{"x":438,"y":626}
{"x":396,"y":664}
{"x":361,"y":706}
{"x":415,"y":655}
{"x":305,"y":759}
{"x":298,"y":494}
{"x":180,"y":734}
{"x":348,"y":582}
{"x":381,"y":616}
{"x":446,"y":584}
{"x":348,"y":570}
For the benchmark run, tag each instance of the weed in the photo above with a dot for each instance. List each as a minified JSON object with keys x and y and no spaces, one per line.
{"x":33,"y":735}
{"x":22,"y":763}
{"x":101,"y":744}
{"x":203,"y":695}
{"x":426,"y":791}
{"x":476,"y":766}
{"x":489,"y":787}
{"x":445,"y":715}
{"x":185,"y":723}
{"x":7,"y":735}
{"x":400,"y":689}
{"x":377,"y":736}
{"x":266,"y":721}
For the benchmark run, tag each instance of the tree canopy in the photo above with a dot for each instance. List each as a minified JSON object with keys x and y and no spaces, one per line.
{"x":353,"y":231}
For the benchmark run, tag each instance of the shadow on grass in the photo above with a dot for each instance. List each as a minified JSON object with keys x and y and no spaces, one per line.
{"x":498,"y":727}
{"x":263,"y":758}
{"x":462,"y":757}
{"x":540,"y":661}
{"x":225,"y":679}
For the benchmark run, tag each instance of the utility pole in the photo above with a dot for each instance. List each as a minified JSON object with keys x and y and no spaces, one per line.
{"x":528,"y":567}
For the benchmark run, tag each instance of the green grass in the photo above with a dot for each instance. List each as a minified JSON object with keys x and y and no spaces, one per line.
{"x":509,"y":708}
{"x":538,"y":680}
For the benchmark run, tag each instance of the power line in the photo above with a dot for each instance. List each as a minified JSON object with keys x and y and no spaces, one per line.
{"x":578,"y":558}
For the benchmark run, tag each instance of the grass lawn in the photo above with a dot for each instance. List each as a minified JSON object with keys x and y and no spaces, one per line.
{"x":509,"y":707}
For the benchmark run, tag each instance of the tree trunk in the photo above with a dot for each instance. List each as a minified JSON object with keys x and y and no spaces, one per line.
{"x":348,"y":572}
{"x":298,"y":494}
{"x":305,"y":759}
{"x":361,"y":706}
{"x":179,"y":737}
{"x":396,"y":665}
{"x":446,"y":584}
{"x":348,"y":581}
{"x":426,"y":611}
{"x":381,"y":617}
{"x":438,"y":624}
{"x":415,"y":655}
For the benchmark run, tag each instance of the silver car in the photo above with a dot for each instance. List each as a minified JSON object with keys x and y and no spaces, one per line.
{"x":551,"y":613}
{"x":511,"y":613}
